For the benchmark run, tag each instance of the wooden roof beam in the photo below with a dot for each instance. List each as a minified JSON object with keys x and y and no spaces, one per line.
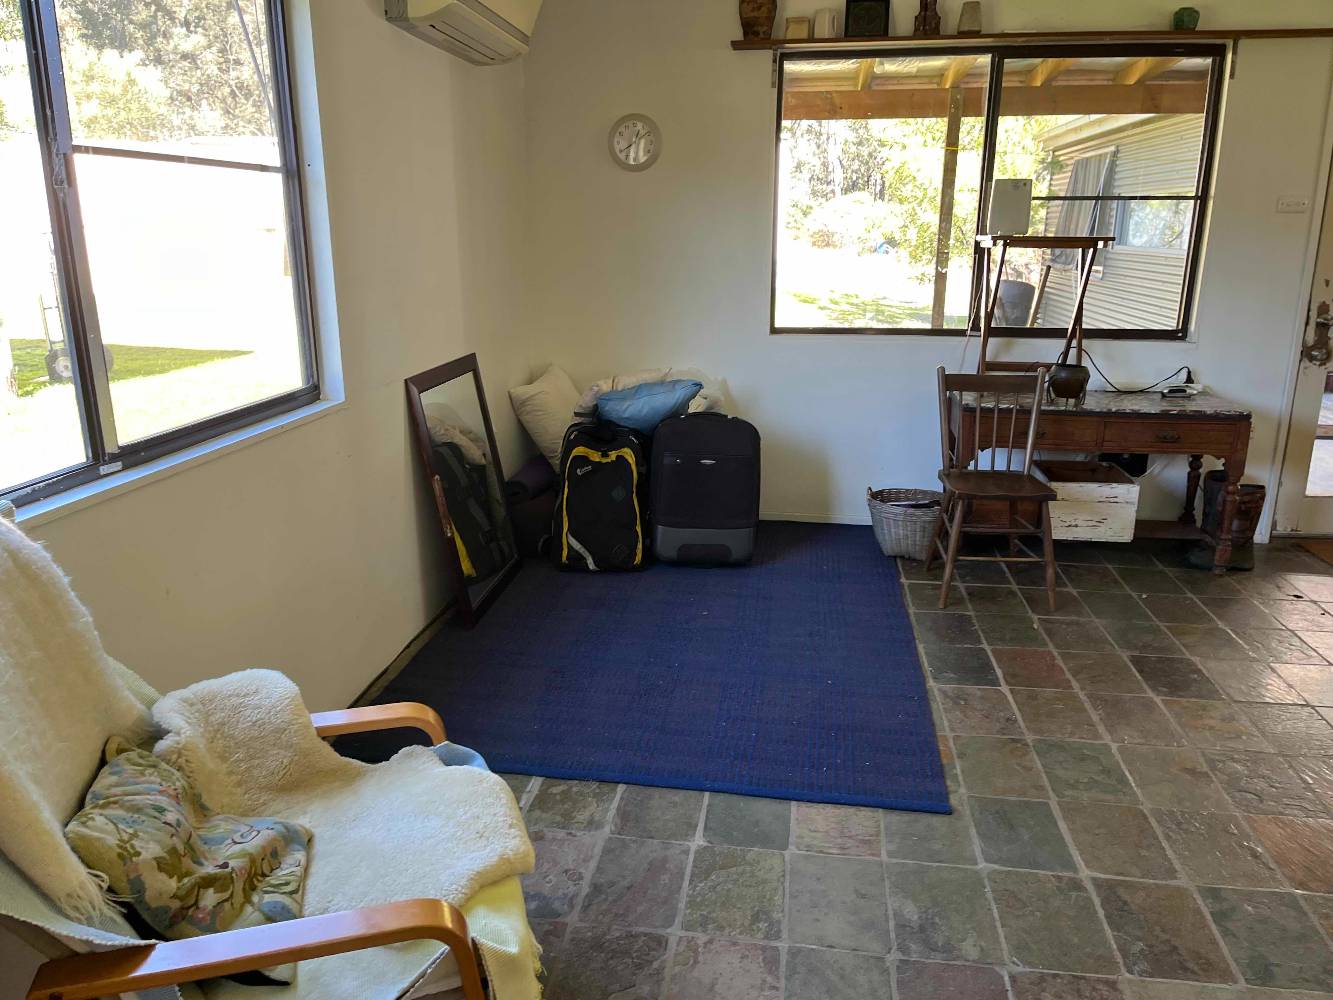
{"x":1143,"y":70}
{"x":1047,"y":70}
{"x":958,"y":68}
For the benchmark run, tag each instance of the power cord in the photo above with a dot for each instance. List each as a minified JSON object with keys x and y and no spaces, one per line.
{"x":1147,"y":388}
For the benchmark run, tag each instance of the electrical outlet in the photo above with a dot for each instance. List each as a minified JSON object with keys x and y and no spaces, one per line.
{"x":1293,"y":204}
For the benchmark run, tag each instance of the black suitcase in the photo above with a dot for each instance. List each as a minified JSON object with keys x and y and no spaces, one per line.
{"x":705,"y":489}
{"x":600,"y":518}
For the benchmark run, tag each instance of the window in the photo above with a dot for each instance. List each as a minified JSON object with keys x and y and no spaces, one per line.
{"x":154,"y":289}
{"x":884,"y":160}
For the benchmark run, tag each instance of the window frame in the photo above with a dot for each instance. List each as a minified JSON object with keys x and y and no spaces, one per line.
{"x":996,"y":54}
{"x":106,"y":456}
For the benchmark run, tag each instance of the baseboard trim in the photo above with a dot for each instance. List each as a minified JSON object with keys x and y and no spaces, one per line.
{"x":773,"y":515}
{"x":404,"y":657}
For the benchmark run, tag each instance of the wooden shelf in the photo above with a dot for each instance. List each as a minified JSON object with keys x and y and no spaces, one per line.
{"x":1030,"y":38}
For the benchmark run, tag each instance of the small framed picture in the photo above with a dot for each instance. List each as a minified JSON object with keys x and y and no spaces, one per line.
{"x":866,"y":19}
{"x":799,"y":27}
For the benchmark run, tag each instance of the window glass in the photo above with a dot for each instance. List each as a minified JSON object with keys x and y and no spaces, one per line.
{"x":879,"y":174}
{"x":41,"y":432}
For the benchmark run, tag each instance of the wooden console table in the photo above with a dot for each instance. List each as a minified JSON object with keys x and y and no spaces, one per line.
{"x":1137,"y":422}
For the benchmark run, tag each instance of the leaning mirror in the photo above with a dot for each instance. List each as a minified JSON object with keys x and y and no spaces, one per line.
{"x":462,"y":469}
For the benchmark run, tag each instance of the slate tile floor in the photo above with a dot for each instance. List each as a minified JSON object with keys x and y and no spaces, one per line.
{"x":1143,"y":794}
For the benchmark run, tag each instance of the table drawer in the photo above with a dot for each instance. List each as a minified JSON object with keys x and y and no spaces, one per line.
{"x":1184,"y":436}
{"x":1052,"y":432}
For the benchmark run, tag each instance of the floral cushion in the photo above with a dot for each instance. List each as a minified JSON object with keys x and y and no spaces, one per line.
{"x":183,"y":869}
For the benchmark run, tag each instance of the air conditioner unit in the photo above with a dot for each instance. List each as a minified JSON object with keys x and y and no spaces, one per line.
{"x":495,"y":31}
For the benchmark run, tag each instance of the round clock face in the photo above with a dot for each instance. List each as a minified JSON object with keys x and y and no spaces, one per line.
{"x":636,"y":142}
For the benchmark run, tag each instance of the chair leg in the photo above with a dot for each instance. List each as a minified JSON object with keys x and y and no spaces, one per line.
{"x":939,"y":532}
{"x":955,"y":535}
{"x":1048,"y":552}
{"x":1013,"y":529}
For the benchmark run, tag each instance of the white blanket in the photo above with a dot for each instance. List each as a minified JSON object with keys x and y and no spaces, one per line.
{"x":406,"y":828}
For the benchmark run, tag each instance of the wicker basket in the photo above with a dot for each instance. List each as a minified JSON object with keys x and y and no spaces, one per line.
{"x":904,"y":531}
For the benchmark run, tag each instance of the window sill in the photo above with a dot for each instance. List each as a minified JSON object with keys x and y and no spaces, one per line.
{"x":77,"y":498}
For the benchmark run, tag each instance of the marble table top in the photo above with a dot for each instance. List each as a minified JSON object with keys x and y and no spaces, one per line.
{"x":1103,"y":402}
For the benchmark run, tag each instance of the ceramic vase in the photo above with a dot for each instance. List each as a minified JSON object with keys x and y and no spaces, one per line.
{"x":1068,"y":382}
{"x":757,"y":18}
{"x":927,"y":22}
{"x":1185,"y":19}
{"x":969,"y":18}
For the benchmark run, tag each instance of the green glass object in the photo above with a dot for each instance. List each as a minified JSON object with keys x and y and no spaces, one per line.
{"x":1185,"y":19}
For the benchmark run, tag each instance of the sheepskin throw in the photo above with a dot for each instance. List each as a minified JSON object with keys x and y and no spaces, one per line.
{"x":61,"y":699}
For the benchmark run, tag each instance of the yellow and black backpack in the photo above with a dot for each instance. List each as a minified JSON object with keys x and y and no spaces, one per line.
{"x":601,"y":512}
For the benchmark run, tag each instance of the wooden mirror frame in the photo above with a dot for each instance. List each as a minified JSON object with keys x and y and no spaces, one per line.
{"x":415,"y":386}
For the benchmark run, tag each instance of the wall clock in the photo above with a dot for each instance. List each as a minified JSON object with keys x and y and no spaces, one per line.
{"x":635,"y":142}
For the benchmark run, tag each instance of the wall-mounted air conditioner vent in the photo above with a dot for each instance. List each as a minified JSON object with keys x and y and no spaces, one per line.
{"x":485,"y":33}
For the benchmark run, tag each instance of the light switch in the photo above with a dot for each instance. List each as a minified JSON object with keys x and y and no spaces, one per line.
{"x":1293,"y":204}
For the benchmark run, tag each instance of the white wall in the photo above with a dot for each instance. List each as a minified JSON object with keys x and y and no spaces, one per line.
{"x":313,"y":551}
{"x":672,"y":266}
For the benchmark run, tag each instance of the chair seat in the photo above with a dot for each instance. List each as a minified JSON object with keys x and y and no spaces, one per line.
{"x":996,"y":485}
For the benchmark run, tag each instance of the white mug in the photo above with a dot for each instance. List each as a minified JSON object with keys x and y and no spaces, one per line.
{"x":828,"y":23}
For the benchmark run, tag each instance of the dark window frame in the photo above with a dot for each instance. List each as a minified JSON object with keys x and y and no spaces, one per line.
{"x":78,"y":310}
{"x":1218,"y":52}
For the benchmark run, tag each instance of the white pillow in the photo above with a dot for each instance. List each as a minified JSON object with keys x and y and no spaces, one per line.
{"x":546,"y":409}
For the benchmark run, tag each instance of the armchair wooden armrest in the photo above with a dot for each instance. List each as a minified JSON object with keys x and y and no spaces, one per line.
{"x":404,"y":714}
{"x":107,"y":973}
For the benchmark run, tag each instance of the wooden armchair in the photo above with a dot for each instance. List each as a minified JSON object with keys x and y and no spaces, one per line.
{"x":125,"y":970}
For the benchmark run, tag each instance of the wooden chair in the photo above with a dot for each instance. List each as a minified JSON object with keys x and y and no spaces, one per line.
{"x":1004,"y":411}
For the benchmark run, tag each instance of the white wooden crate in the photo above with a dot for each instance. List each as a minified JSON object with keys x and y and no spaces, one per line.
{"x":1097,"y":501}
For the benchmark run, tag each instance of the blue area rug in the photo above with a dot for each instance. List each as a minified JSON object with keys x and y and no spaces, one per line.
{"x":796,"y":677}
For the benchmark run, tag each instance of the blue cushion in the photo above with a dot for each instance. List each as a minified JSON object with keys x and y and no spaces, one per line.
{"x":645,"y":406}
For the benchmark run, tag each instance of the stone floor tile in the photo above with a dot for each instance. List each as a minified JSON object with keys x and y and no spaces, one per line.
{"x":550,"y":935}
{"x":1177,"y":609}
{"x":1282,"y":645}
{"x":518,"y":784}
{"x":735,"y":892}
{"x":942,"y":913}
{"x":945,"y":628}
{"x":1312,"y":681}
{"x":1293,"y":728}
{"x":1271,"y":938}
{"x":823,"y":974}
{"x":1159,"y":989}
{"x":1161,"y":932}
{"x":1301,"y":847}
{"x":999,"y":766}
{"x":1263,"y":586}
{"x":1015,"y":631}
{"x":636,"y":883}
{"x":1092,"y":578}
{"x":1079,"y":553}
{"x":1107,"y":672}
{"x":1077,"y":636}
{"x":747,"y":821}
{"x":716,"y":969}
{"x":1302,"y":616}
{"x":838,"y":902}
{"x":1264,"y":784}
{"x":1134,"y":719}
{"x":1067,"y":603}
{"x":1316,"y":587}
{"x":1033,"y":576}
{"x":1202,"y":582}
{"x":1143,"y":638}
{"x":1216,"y":848}
{"x":600,"y":963}
{"x":1250,"y":680}
{"x":1110,"y":605}
{"x":1031,"y":668}
{"x":570,"y":805}
{"x":658,"y":813}
{"x":832,"y":829}
{"x":1050,"y":923}
{"x":1318,"y":772}
{"x":1207,"y":642}
{"x":1020,"y":833}
{"x":1173,"y":778}
{"x":994,"y":600}
{"x":941,"y":981}
{"x":1116,"y":840}
{"x":1321,"y":907}
{"x":1149,"y":581}
{"x":930,"y":837}
{"x":1062,"y":986}
{"x":978,"y":711}
{"x":564,"y":860}
{"x":1175,"y":677}
{"x":1054,"y":714}
{"x":1218,"y":725}
{"x":969,"y":665}
{"x":1087,"y":771}
{"x":1239,"y":612}
{"x":914,"y":570}
{"x":926,"y":596}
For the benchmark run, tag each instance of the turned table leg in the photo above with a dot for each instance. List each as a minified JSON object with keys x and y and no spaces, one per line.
{"x":1222,"y":557}
{"x":1192,"y":488}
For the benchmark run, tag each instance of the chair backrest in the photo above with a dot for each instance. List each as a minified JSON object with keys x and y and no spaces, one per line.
{"x":1007,"y":409}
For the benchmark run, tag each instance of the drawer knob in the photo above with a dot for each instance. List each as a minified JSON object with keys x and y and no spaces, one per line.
{"x":1168,"y":437}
